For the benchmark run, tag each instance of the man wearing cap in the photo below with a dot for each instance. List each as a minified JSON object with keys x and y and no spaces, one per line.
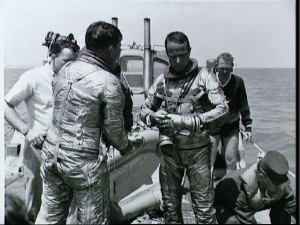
{"x":236,"y":96}
{"x":264,"y":185}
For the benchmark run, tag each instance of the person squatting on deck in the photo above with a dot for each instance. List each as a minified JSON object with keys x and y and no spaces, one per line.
{"x":88,"y":103}
{"x":236,"y":96}
{"x":264,"y":185}
{"x":34,"y":88}
{"x":193,"y":100}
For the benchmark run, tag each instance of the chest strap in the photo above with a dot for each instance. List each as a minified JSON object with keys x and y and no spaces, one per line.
{"x":186,"y":99}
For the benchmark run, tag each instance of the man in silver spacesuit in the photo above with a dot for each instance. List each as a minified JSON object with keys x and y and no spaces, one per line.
{"x":183,"y":102}
{"x":88,"y":108}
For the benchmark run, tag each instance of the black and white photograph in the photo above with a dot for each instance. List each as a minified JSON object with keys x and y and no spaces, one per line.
{"x":149,"y":111}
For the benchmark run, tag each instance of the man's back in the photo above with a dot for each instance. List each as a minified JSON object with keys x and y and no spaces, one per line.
{"x":87,"y":88}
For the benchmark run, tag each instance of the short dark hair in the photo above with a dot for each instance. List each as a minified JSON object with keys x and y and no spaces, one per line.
{"x":177,"y":37}
{"x":100,"y":35}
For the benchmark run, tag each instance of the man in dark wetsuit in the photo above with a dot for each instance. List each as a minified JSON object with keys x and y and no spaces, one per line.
{"x":236,"y":96}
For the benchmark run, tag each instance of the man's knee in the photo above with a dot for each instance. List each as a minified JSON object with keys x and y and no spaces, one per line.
{"x":232,"y":220}
{"x":231,"y":157}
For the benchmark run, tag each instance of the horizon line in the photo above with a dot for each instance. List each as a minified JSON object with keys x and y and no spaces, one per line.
{"x":19,"y":67}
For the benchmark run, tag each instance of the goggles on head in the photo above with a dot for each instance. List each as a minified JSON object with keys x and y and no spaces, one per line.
{"x":52,"y":37}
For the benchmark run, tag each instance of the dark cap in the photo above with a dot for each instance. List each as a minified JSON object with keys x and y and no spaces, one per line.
{"x":276,"y":166}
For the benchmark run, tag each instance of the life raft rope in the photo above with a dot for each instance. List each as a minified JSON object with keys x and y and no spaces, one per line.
{"x":263,"y":152}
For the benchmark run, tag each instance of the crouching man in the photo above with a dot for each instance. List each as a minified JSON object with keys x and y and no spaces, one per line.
{"x":264,"y":185}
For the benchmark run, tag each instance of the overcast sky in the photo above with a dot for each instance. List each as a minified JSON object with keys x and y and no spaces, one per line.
{"x":257,"y":33}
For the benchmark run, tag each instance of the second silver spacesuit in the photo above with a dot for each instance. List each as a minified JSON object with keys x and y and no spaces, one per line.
{"x":195,"y":103}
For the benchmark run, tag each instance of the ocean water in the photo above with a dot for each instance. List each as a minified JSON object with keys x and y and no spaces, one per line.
{"x":272,"y":100}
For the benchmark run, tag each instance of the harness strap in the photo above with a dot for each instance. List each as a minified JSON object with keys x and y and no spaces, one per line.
{"x":187,"y":99}
{"x":181,"y":95}
{"x":191,"y":81}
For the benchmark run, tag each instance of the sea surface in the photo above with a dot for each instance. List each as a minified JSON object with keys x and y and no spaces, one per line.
{"x":272,"y":100}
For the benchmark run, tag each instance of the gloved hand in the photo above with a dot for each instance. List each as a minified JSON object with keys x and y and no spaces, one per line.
{"x":38,"y":146}
{"x":177,"y":123}
{"x":35,"y":139}
{"x":134,"y":142}
{"x":159,"y":117}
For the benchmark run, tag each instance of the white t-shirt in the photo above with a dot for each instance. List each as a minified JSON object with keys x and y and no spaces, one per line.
{"x":34,"y":87}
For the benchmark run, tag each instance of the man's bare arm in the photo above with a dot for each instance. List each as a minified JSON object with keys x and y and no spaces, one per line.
{"x":14,"y":119}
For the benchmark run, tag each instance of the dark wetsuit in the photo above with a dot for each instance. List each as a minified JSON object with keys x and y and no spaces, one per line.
{"x":236,"y":96}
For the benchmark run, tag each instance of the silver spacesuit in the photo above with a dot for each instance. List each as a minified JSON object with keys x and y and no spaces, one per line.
{"x":195,"y":103}
{"x":88,"y":104}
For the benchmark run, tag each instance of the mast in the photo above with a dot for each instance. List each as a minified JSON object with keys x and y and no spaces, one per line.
{"x":147,"y":57}
{"x":114,"y":21}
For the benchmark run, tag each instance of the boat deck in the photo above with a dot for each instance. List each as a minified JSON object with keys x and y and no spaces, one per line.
{"x":15,"y":181}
